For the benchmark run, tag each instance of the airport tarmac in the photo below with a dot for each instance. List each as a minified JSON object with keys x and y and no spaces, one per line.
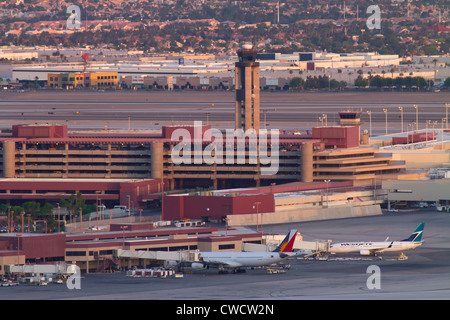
{"x":152,"y":109}
{"x":424,"y":275}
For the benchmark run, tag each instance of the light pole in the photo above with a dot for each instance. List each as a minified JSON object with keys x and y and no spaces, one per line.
{"x":129,"y":205}
{"x":324,"y":116}
{"x":447,"y":105}
{"x":327,"y":181}
{"x":59,"y":214}
{"x":23,"y":222}
{"x":370,"y":122}
{"x":257,"y":203}
{"x":401,"y":116}
{"x":96,"y":203}
{"x":123,"y":236}
{"x":442,"y":140}
{"x":161,"y":186}
{"x":385,"y":112}
{"x":417,"y":116}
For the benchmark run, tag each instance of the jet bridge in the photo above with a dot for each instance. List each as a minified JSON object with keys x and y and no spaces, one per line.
{"x":186,"y":256}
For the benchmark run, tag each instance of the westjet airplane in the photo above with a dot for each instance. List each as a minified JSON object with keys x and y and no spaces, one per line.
{"x":237,"y":260}
{"x":369,"y":248}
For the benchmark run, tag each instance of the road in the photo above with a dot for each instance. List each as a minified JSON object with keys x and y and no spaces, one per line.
{"x":424,"y":275}
{"x":279,"y":110}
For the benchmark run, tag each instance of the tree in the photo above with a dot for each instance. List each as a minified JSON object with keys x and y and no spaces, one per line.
{"x":360,"y":82}
{"x":32,"y":207}
{"x":447,"y":82}
{"x":296,"y":83}
{"x":74,"y":203}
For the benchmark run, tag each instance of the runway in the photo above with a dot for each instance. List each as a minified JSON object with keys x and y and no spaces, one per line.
{"x":424,"y":275}
{"x":278,"y":110}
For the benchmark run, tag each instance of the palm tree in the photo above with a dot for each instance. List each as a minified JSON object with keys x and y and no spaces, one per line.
{"x":435,"y":61}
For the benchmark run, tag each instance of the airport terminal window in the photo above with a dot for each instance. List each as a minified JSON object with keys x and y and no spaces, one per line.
{"x":226,"y":246}
{"x":76,"y":253}
{"x":158,"y":249}
{"x":178,"y":248}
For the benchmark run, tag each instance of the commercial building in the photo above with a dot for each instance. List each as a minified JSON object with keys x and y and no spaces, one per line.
{"x":327,"y":60}
{"x":207,"y":71}
{"x":17,"y":55}
{"x":82,"y":79}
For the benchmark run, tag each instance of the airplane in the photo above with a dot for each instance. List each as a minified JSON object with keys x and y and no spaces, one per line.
{"x":237,"y":260}
{"x":373,"y":248}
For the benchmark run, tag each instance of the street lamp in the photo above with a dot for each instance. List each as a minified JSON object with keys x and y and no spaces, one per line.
{"x":23,"y":222}
{"x":434,"y":132}
{"x":324,"y":116}
{"x":417,"y":116}
{"x":442,"y":140}
{"x":123,"y":236}
{"x":385,"y":111}
{"x":96,"y":204}
{"x":257,"y":203}
{"x":370,"y":122}
{"x":447,"y":105}
{"x":161,"y":187}
{"x":59,"y":213}
{"x":327,"y":181}
{"x":401,"y":113}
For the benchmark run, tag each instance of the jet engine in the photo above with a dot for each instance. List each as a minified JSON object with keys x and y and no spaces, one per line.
{"x":197,"y":265}
{"x":364,"y":252}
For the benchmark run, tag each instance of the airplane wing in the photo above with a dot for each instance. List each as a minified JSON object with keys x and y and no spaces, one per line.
{"x":381,"y":249}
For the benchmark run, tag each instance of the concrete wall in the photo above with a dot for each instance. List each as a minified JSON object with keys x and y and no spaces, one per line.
{"x":418,"y":159}
{"x":333,"y":198}
{"x":420,"y":190}
{"x":309,"y":214}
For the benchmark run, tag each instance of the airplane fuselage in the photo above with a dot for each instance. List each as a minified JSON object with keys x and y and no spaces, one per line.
{"x":242,"y":259}
{"x":373,"y":247}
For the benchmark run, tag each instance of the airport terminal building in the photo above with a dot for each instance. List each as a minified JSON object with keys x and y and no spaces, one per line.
{"x":210,"y":158}
{"x":47,"y":162}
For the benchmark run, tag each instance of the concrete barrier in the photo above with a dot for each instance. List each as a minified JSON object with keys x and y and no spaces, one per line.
{"x":306,"y":214}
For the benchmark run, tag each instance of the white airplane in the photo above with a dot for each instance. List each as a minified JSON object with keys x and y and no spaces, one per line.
{"x":237,"y":260}
{"x":368,"y":248}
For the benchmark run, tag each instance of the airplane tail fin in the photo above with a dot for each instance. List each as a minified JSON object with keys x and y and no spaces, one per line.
{"x":416,"y":236}
{"x":287,"y":244}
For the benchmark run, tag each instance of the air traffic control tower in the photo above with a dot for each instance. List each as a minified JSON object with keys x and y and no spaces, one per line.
{"x":247,"y":89}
